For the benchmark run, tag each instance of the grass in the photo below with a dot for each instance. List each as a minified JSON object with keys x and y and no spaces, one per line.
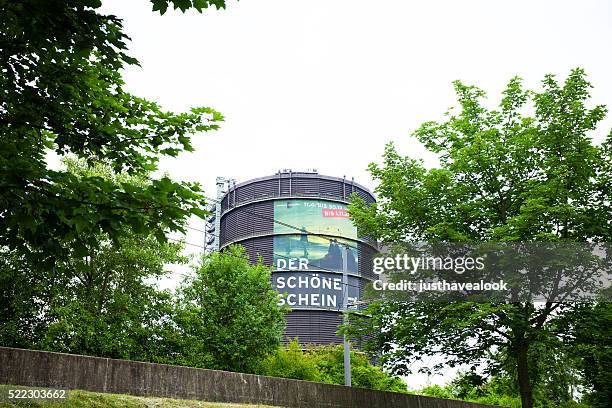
{"x":86,"y":399}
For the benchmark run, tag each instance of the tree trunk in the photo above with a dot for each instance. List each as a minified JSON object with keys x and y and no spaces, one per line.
{"x":523,"y":375}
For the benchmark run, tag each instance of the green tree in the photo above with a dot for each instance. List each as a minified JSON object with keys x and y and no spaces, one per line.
{"x":527,"y":171}
{"x":113,"y":307}
{"x":498,"y":390}
{"x":553,"y":368}
{"x":228,"y":316}
{"x":23,"y":295}
{"x":104,"y":304}
{"x":589,"y":336}
{"x":61,"y":90}
{"x":470,"y":386}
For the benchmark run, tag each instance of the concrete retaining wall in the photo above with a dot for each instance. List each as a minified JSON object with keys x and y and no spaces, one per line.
{"x":68,"y":371}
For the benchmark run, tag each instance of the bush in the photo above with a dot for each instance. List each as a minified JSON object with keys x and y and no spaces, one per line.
{"x":326,"y":364}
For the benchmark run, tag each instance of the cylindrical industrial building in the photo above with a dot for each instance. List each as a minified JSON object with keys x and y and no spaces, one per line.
{"x":298,"y":223}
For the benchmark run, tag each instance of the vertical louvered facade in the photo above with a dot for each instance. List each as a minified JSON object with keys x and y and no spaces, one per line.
{"x":248,"y":218}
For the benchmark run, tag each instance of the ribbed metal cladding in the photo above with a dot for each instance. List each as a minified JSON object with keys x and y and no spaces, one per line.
{"x":316,"y":327}
{"x":313,"y":326}
{"x":262,"y":247}
{"x":247,"y":218}
{"x":294,"y":184}
{"x":367,"y":253}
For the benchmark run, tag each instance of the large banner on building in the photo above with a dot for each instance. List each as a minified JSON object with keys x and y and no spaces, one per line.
{"x":316,"y":216}
{"x":315,"y":290}
{"x":307,"y":252}
{"x":311,"y":234}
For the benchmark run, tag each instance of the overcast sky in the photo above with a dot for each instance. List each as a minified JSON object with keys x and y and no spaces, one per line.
{"x":326,"y":83}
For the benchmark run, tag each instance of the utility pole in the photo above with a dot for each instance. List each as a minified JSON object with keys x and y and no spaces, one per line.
{"x":347,"y":345}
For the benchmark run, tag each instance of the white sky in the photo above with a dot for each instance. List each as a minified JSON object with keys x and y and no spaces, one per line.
{"x":326,"y":83}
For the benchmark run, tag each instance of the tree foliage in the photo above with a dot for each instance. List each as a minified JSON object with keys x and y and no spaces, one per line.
{"x":326,"y":364}
{"x":108,"y":304}
{"x":527,"y":171}
{"x":104,"y":303}
{"x":61,"y":90}
{"x":470,"y":386}
{"x":498,"y":390}
{"x":589,"y":336}
{"x":228,"y":316}
{"x":184,"y":5}
{"x":81,"y":246}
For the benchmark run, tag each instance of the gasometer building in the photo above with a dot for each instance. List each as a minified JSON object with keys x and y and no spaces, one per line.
{"x":298,"y":223}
